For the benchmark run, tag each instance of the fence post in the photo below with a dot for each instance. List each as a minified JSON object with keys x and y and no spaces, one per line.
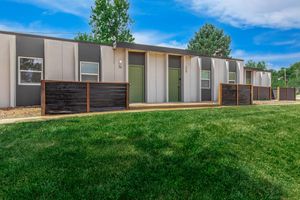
{"x":278,"y":93}
{"x":295,"y":95}
{"x":220,"y":94}
{"x":237,"y":94}
{"x":87,"y":97}
{"x":270,"y":93}
{"x":43,"y":98}
{"x":127,"y":96}
{"x":251,"y":94}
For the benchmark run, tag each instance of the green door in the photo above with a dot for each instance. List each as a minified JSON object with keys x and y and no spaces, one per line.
{"x":174,"y":85}
{"x":137,"y":84}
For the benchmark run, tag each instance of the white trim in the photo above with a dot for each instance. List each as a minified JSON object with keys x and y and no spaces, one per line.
{"x":209,"y":79}
{"x":12,"y":71}
{"x":90,"y":74}
{"x":30,"y":71}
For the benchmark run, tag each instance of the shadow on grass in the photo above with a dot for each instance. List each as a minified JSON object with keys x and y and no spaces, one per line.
{"x":191,"y":172}
{"x":139,"y":166}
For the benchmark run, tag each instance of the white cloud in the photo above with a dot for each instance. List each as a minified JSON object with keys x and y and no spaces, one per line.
{"x":239,"y":13}
{"x":158,"y":38}
{"x":76,"y":7}
{"x":37,"y":28}
{"x":274,"y":60}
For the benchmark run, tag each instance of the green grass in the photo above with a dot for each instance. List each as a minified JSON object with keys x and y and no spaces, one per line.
{"x":227,"y":153}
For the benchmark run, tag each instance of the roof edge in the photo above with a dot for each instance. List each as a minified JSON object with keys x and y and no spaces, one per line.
{"x":125,"y":45}
{"x":256,"y":69}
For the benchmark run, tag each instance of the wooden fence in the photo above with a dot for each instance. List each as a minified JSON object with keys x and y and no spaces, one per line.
{"x":286,"y":94}
{"x":262,"y":93}
{"x":235,"y":94}
{"x":63,"y":97}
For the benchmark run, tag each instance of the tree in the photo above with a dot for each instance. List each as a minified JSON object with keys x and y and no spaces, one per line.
{"x":109,"y":22}
{"x":210,"y":41}
{"x":259,"y":65}
{"x":292,"y":74}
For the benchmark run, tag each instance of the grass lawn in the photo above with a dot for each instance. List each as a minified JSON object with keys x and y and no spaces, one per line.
{"x":222,"y":153}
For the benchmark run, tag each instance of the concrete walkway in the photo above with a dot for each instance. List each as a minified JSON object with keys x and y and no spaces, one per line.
{"x":147,"y":109}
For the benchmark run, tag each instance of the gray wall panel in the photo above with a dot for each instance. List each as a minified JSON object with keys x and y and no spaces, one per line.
{"x":232,"y":66}
{"x":206,"y":93}
{"x":175,"y":61}
{"x":89,"y":53}
{"x":136,"y":58}
{"x":27,"y":95}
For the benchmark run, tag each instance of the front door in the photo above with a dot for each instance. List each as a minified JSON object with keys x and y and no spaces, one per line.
{"x":137,"y":84}
{"x":174,"y":84}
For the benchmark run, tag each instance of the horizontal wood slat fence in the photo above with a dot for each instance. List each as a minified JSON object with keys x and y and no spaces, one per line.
{"x":63,"y":97}
{"x":262,"y":93}
{"x":235,"y":94}
{"x":286,"y":94}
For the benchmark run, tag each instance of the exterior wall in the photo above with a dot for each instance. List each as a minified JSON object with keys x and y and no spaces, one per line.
{"x":89,"y":53}
{"x":220,"y":76}
{"x":8,"y":70}
{"x":266,"y":79}
{"x":240,"y":72}
{"x":61,"y":60}
{"x":120,"y":69}
{"x":28,"y":95}
{"x":156,"y":75}
{"x":206,"y":94}
{"x":191,"y":77}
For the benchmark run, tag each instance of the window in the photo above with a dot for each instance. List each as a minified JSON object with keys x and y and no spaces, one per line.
{"x":248,"y":77}
{"x":89,"y":72}
{"x":30,"y":70}
{"x":205,"y":79}
{"x":232,"y":77}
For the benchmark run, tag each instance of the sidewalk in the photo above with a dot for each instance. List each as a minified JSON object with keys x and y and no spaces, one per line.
{"x":35,"y":116}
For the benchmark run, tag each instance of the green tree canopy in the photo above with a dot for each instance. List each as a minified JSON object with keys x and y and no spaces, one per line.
{"x":109,"y":22}
{"x":259,"y":65}
{"x":210,"y":41}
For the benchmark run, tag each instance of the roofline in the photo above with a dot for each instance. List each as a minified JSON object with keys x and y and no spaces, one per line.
{"x":132,"y":46}
{"x":256,"y":69}
{"x":50,"y":37}
{"x":144,"y":47}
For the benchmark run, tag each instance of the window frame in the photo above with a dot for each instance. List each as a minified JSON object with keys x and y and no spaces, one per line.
{"x":235,"y":80}
{"x":89,"y":74}
{"x":32,"y":71}
{"x":209,"y":79}
{"x":251,"y":80}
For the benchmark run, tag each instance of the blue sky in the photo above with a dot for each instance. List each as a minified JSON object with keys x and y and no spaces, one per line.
{"x":266,"y":30}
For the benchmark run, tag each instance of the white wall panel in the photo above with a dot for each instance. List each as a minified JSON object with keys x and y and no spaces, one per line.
{"x":108,"y":66}
{"x":69,"y":61}
{"x":156,"y":75}
{"x":186,"y":73}
{"x":220,"y":76}
{"x":4,"y":68}
{"x":194,"y":80}
{"x":53,"y":60}
{"x":60,"y":60}
{"x":160,"y":78}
